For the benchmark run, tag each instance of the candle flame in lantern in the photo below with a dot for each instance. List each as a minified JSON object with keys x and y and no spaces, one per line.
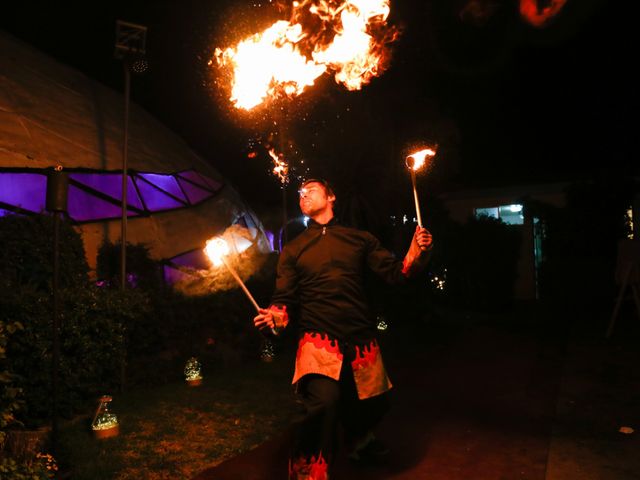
{"x":417,"y":160}
{"x":349,"y":37}
{"x":216,"y":248}
{"x":280,"y":166}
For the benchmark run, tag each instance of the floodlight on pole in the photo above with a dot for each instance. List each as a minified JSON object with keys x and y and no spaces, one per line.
{"x":130,"y":47}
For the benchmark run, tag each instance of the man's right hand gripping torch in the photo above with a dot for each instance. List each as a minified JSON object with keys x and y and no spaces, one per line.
{"x":274,"y":318}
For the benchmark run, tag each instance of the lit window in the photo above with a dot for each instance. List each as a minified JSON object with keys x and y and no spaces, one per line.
{"x":487,"y":212}
{"x":509,"y":214}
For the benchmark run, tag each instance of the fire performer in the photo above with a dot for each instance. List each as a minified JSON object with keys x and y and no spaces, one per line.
{"x":339,"y":374}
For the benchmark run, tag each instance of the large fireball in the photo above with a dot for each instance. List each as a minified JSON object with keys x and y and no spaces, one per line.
{"x":349,"y":38}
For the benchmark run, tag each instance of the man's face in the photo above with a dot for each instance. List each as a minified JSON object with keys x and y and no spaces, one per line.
{"x":314,"y":199}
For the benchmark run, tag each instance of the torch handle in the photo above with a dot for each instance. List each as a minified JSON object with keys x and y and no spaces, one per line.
{"x":244,"y":288}
{"x":241,"y":283}
{"x":415,"y":197}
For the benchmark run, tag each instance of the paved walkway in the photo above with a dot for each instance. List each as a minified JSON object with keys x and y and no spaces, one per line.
{"x":475,"y":401}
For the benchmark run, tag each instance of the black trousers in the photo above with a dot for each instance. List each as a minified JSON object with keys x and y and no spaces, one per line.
{"x":325,"y":405}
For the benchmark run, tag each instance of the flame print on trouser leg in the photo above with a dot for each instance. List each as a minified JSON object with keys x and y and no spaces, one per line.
{"x":304,"y":468}
{"x":369,"y":372}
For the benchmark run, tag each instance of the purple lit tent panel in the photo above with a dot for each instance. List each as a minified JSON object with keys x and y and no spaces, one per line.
{"x":271,"y":238}
{"x":195,"y":194}
{"x":154,"y":192}
{"x":83,"y":206}
{"x":154,"y":199}
{"x":110,"y":184}
{"x":194,"y":259}
{"x":173,"y":275}
{"x":24,"y":190}
{"x":194,"y":177}
{"x":213,"y":184}
{"x":168,"y":183}
{"x":4,"y":213}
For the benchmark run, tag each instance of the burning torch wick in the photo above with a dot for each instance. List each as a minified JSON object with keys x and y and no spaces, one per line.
{"x":415,"y":162}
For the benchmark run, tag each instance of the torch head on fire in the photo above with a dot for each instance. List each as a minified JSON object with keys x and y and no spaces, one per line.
{"x":417,"y":160}
{"x":216,"y":249}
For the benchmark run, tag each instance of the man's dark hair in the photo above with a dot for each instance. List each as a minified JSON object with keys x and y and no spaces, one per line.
{"x":327,"y":186}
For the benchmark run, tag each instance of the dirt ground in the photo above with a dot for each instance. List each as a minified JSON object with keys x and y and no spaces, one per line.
{"x":599,"y":400}
{"x":536,"y":395}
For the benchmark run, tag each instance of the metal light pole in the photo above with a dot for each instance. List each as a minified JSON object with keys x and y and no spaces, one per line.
{"x":56,"y":202}
{"x":282,"y":134}
{"x":130,"y":48}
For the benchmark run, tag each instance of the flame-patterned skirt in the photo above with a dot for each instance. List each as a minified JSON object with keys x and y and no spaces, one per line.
{"x":319,"y":354}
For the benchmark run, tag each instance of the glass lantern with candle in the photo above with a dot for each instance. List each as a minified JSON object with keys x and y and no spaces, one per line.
{"x":193,"y":372}
{"x":105,"y":423}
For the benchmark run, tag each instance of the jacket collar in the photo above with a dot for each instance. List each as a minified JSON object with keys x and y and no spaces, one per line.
{"x":313,"y":224}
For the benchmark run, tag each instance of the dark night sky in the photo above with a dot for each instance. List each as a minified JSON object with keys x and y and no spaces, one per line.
{"x":507,"y":102}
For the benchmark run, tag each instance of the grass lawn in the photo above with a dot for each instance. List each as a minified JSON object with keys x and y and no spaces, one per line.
{"x":175,"y":431}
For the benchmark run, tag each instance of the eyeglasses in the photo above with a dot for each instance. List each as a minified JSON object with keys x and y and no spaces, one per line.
{"x":305,"y":189}
{"x":303,"y":192}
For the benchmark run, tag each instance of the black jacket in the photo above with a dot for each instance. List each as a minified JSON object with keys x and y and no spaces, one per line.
{"x":320,"y":275}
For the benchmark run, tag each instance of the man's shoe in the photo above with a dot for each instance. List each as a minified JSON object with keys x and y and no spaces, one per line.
{"x":372,"y":452}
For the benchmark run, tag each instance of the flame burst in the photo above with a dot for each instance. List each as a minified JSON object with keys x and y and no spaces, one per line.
{"x":280,"y":166}
{"x":216,"y":248}
{"x":417,"y":160}
{"x":348,"y":37}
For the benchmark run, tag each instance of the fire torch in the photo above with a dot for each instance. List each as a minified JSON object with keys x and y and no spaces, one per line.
{"x":415,"y":162}
{"x":217,"y":249}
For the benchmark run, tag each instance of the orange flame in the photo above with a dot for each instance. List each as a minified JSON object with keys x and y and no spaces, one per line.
{"x":216,"y":248}
{"x":536,"y":16}
{"x":417,"y":160}
{"x":348,"y":37}
{"x":280,"y":166}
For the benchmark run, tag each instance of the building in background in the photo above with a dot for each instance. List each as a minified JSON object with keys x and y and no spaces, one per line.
{"x":507,"y":204}
{"x":51,"y":114}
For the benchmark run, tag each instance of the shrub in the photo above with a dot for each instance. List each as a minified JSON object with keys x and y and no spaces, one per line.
{"x":10,"y":469}
{"x":27,"y":252}
{"x":142,"y":270}
{"x":91,"y":346}
{"x":93,"y":320}
{"x":9,"y":394}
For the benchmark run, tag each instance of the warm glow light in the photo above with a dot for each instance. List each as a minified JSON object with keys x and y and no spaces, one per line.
{"x":417,"y":160}
{"x":215,"y":249}
{"x":348,"y":37}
